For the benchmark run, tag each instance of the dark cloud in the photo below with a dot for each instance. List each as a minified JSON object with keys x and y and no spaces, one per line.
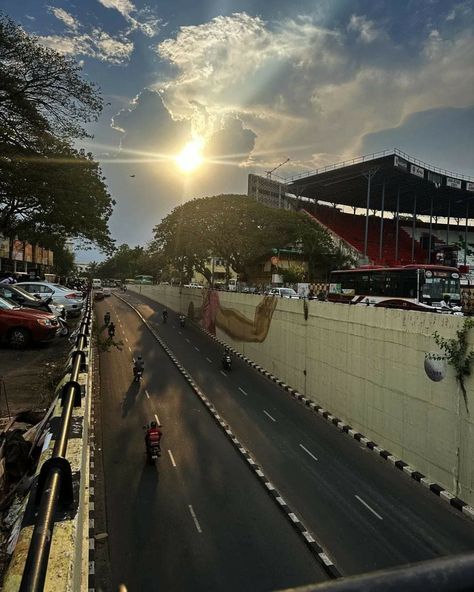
{"x":441,"y":137}
{"x":232,"y":143}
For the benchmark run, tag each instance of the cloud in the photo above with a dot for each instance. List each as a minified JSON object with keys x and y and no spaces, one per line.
{"x":66,"y":18}
{"x":302,"y":88}
{"x":96,"y":44}
{"x":364,"y":27}
{"x":145,"y":20}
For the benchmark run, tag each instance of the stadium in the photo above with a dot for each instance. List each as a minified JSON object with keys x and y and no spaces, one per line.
{"x":386,"y":209}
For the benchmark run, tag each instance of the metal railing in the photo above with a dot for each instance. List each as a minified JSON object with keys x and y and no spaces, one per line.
{"x":373,"y":156}
{"x":55,"y":478}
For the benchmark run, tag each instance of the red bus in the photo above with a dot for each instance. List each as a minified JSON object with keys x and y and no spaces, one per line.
{"x":412,"y":287}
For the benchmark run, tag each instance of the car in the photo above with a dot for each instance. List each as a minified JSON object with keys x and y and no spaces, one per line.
{"x":60,"y":295}
{"x":107,"y":291}
{"x":20,"y":326}
{"x":96,"y":283}
{"x":283,"y":292}
{"x":21,"y":297}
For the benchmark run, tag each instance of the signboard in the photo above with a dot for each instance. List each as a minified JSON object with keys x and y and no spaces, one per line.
{"x":451,"y":182}
{"x":401,"y":163}
{"x":18,"y":250}
{"x":28,"y":252}
{"x":418,"y":171}
{"x":469,"y":186}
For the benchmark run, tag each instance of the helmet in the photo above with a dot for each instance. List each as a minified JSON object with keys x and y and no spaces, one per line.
{"x":153,"y":424}
{"x":139,"y":358}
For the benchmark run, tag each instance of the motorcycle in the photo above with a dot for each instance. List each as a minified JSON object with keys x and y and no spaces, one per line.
{"x":227,"y":363}
{"x":165,"y":316}
{"x":182,"y":321}
{"x":152,"y":449}
{"x":106,"y":319}
{"x":63,"y":327}
{"x":137,"y":374}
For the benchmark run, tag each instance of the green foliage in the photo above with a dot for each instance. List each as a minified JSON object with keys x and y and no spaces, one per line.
{"x":47,"y":187}
{"x":457,"y":354}
{"x":293,"y":274}
{"x":236,"y":228}
{"x":127,"y":262}
{"x":63,"y":261}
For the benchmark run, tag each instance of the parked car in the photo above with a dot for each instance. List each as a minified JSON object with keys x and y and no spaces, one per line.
{"x":283,"y":292}
{"x":60,"y":295}
{"x":21,"y":297}
{"x":19,"y":326}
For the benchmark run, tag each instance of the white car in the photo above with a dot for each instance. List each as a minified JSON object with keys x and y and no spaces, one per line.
{"x":70,"y":299}
{"x":107,"y":291}
{"x":283,"y":292}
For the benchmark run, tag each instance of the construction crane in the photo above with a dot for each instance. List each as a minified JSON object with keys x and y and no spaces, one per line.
{"x":269,"y":173}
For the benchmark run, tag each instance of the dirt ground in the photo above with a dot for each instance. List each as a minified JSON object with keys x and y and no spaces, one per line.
{"x":28,"y":377}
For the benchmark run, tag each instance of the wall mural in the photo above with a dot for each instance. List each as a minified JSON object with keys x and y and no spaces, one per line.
{"x":235,"y":324}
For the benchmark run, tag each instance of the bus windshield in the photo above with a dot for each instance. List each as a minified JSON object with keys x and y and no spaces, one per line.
{"x":144,"y":279}
{"x":438,"y":284}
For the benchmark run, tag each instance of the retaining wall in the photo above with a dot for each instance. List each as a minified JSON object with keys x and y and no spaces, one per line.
{"x":365,"y":365}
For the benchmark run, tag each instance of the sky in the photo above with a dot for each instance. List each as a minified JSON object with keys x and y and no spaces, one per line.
{"x":253,"y":83}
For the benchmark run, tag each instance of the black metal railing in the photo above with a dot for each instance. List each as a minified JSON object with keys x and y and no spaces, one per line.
{"x":55,"y":478}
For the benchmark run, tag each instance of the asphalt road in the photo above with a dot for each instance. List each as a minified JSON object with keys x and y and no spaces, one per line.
{"x":365,"y":513}
{"x":199,"y":519}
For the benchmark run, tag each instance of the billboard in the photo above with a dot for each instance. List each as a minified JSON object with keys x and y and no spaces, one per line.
{"x":451,"y":182}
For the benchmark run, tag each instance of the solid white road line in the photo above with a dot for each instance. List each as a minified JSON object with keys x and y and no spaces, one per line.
{"x":210,"y":361}
{"x":223,"y":373}
{"x":193,"y":514}
{"x":266,"y":413}
{"x":308,"y":452}
{"x":157,"y":419}
{"x":173,"y":462}
{"x":368,"y":507}
{"x":242,"y":391}
{"x":196,"y":348}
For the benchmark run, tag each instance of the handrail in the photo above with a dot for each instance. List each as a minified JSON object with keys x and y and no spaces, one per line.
{"x":380,"y":154}
{"x":55,"y":479}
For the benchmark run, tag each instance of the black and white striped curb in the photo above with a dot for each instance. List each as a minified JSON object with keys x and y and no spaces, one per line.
{"x":317,"y":551}
{"x":434,"y":487}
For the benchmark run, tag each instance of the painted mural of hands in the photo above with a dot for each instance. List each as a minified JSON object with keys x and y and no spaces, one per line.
{"x":241,"y":328}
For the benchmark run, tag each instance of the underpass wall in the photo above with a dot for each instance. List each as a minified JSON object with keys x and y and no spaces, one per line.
{"x":363,"y":364}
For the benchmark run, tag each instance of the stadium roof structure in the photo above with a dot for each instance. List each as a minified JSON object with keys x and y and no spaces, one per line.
{"x":389,"y":181}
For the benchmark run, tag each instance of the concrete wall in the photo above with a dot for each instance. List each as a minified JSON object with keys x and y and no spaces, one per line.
{"x":365,"y":365}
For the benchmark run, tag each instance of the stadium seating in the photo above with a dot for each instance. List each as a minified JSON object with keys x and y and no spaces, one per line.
{"x":351,"y":228}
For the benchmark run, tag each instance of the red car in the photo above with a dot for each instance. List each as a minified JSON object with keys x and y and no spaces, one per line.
{"x":19,"y":326}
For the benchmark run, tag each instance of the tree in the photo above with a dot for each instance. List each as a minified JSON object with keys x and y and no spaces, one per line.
{"x":236,"y":228}
{"x":42,"y":93}
{"x":46,"y":186}
{"x":63,"y":261}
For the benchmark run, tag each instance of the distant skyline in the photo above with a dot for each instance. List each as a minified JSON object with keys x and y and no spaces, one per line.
{"x":255,"y":83}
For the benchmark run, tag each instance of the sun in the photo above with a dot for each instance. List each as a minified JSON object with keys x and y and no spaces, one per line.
{"x":190,"y":157}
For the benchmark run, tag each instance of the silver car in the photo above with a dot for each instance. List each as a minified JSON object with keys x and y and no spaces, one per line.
{"x":60,"y":295}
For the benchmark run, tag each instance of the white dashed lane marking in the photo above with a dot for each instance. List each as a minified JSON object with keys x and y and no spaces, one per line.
{"x":368,"y":507}
{"x":266,"y":413}
{"x":308,"y":452}
{"x":157,"y":419}
{"x":196,"y":523}
{"x":187,"y":340}
{"x":146,"y":393}
{"x":173,"y":462}
{"x":242,"y":391}
{"x":223,"y":373}
{"x":209,"y":360}
{"x":196,"y":348}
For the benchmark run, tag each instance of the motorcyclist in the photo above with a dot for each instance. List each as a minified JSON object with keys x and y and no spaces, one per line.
{"x":111,"y":330}
{"x":153,"y":436}
{"x":182,"y":320}
{"x":138,"y":364}
{"x":164,"y":314}
{"x":107,"y":318}
{"x":225,"y":355}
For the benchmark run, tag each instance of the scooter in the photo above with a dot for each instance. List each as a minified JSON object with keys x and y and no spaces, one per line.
{"x":64,"y":327}
{"x":152,"y":449}
{"x":227,"y":363}
{"x":137,"y":374}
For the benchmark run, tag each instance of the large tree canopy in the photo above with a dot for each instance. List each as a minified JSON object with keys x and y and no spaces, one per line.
{"x":238,"y":229}
{"x":47,"y":188}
